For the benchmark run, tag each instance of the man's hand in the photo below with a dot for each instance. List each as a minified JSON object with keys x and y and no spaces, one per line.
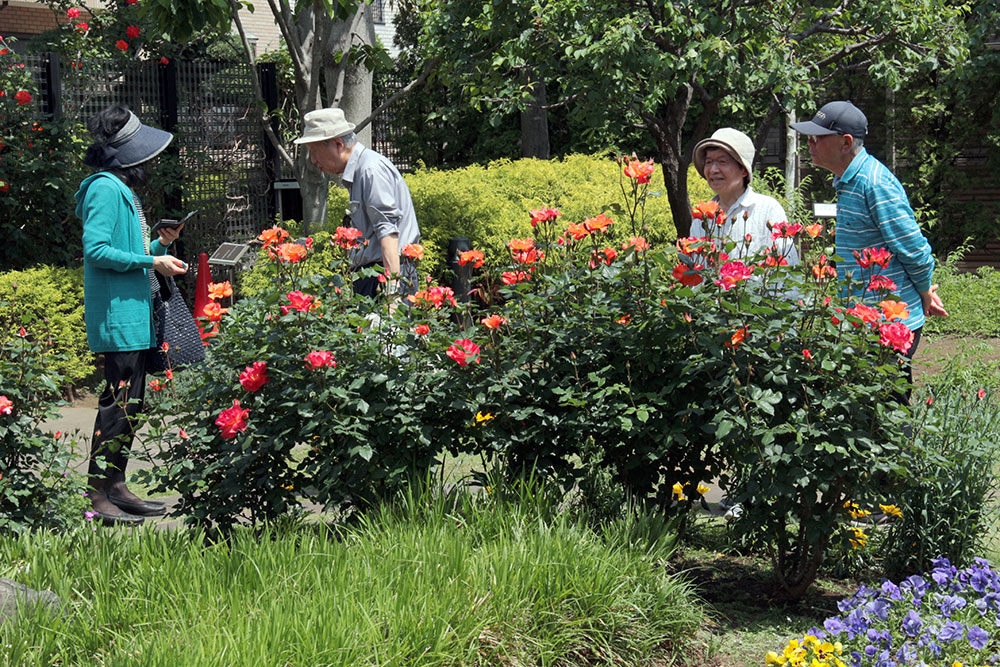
{"x":933,"y":306}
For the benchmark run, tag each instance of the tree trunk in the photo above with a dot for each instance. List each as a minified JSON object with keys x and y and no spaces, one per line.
{"x":535,"y":120}
{"x":356,"y":100}
{"x":314,"y":186}
{"x":667,"y":129}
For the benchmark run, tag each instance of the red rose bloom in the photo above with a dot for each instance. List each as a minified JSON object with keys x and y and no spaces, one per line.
{"x":232,"y":420}
{"x":346,"y":237}
{"x":22,"y":97}
{"x":254,"y":376}
{"x":543,"y":215}
{"x":686,"y":276}
{"x":881,"y":284}
{"x":320,"y":359}
{"x":132,"y":32}
{"x":731,"y":273}
{"x":464,"y":352}
{"x":421,"y":329}
{"x":300,"y":302}
{"x":896,"y":335}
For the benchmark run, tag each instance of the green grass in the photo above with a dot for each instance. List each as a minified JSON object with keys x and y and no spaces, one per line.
{"x":479,"y":581}
{"x":736,"y":587}
{"x":971,"y":301}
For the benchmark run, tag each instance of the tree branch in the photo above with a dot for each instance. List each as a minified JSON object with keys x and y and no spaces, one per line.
{"x":283,"y":17}
{"x":257,"y":91}
{"x":851,"y":48}
{"x":821,"y":21}
{"x":406,"y":90}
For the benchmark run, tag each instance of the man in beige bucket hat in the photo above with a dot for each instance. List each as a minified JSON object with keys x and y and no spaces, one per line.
{"x":725,"y":160}
{"x":380,"y":203}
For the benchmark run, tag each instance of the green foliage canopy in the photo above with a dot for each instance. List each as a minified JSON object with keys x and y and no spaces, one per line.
{"x":673,"y":67}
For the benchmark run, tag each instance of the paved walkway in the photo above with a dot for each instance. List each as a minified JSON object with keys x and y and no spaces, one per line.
{"x":78,"y":422}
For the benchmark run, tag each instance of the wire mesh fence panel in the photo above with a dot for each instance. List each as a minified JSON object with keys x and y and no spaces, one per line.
{"x":220,"y":143}
{"x":387,"y":128}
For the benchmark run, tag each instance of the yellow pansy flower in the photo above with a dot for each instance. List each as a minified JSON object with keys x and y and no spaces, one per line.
{"x":702,"y":488}
{"x":860,"y":539}
{"x":892,"y":510}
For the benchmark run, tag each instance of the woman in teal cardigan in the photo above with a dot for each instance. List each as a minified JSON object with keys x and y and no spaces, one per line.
{"x":117,"y":255}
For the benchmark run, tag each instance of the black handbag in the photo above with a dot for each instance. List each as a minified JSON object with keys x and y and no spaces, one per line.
{"x":175,"y":326}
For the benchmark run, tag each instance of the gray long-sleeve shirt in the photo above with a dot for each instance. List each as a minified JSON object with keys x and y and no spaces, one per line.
{"x":380,"y":203}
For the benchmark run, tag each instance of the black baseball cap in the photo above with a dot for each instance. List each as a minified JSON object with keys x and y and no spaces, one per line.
{"x":836,"y":118}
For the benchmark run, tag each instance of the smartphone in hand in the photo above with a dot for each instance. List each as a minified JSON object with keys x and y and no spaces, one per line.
{"x":171,"y":223}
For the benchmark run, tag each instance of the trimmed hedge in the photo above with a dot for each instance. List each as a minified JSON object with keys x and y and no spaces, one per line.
{"x":488,"y":204}
{"x":48,"y":302}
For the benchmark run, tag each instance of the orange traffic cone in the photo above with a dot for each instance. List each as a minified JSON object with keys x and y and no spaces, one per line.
{"x":201,"y":299}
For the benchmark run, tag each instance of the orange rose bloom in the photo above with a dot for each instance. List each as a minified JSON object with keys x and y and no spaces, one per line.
{"x":639,"y":171}
{"x":273,"y":236}
{"x":493,"y":321}
{"x":737,"y":338}
{"x":291,"y":252}
{"x":414,"y":251}
{"x":599,"y":223}
{"x":814,"y":230}
{"x":640,"y":244}
{"x":476,"y":257}
{"x":522,"y":245}
{"x":894,"y":310}
{"x":577,"y":231}
{"x":221,"y":290}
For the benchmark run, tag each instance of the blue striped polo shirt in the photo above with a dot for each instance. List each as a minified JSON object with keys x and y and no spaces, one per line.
{"x":874,"y":212}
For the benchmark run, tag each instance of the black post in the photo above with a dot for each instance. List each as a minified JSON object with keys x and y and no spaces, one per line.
{"x":268,"y":74}
{"x":52,"y":85}
{"x":168,"y":96}
{"x":167,"y":89}
{"x":463,"y":274}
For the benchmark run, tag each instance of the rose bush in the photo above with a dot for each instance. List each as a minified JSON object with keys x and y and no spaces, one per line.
{"x":36,"y":206}
{"x":675,"y":365}
{"x":38,"y":488}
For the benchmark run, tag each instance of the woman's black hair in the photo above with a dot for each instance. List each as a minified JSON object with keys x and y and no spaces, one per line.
{"x":103,"y":125}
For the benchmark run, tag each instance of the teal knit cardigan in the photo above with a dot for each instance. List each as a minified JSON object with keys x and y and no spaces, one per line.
{"x":118,"y":305}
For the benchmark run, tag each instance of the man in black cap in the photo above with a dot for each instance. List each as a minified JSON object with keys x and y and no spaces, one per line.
{"x":872,"y":212}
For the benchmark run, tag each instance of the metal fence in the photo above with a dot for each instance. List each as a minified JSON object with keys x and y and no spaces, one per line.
{"x":387,"y":128}
{"x":219,"y":156}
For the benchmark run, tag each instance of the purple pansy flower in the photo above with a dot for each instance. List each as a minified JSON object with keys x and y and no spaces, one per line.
{"x":977,"y":637}
{"x":951,"y":631}
{"x":912,"y":624}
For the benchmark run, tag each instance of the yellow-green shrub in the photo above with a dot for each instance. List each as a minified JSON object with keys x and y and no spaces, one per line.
{"x":317,"y":262}
{"x":48,"y":302}
{"x":489,"y":204}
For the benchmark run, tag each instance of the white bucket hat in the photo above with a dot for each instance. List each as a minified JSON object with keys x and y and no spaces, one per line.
{"x":324,"y":124}
{"x":733,"y":142}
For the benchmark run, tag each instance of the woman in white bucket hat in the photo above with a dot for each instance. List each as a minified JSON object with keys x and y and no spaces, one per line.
{"x":725,"y":160}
